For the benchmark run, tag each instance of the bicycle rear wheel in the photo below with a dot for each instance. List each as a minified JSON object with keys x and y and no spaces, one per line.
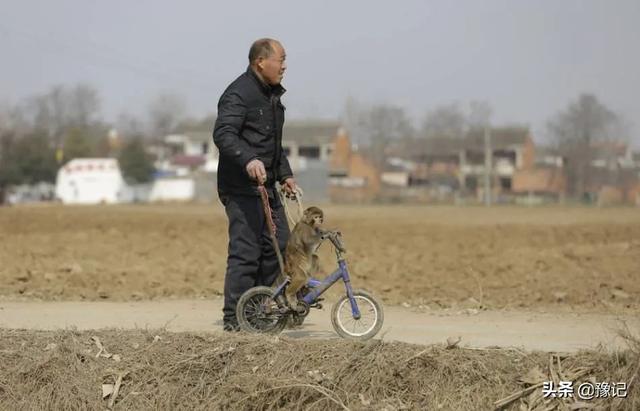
{"x":363,"y":328}
{"x":257,"y":312}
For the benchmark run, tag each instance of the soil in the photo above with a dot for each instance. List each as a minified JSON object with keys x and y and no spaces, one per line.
{"x":433,"y":257}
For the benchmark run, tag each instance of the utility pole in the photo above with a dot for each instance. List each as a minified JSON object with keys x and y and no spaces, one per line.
{"x":487,"y":165}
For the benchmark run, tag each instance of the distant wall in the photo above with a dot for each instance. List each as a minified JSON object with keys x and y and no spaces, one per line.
{"x":314,"y":181}
{"x":173,"y":189}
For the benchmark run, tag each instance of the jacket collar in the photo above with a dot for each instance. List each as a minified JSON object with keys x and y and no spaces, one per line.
{"x":268,"y":90}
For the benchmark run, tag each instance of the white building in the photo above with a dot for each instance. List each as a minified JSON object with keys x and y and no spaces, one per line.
{"x":173,"y":189}
{"x":90,"y":181}
{"x":183,"y":154}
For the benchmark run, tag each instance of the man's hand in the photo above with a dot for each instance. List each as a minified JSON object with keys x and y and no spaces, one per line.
{"x":256,"y":170}
{"x":289,"y":186}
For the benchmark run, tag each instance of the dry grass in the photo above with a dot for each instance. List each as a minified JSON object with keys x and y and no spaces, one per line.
{"x":160,"y":370}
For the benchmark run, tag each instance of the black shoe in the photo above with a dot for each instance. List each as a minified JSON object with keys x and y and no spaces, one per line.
{"x":230,"y":327}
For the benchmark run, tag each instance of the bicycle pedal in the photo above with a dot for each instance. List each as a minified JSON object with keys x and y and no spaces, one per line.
{"x":317,"y":305}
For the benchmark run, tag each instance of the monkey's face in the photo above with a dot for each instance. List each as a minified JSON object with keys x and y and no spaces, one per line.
{"x":317,"y":220}
{"x":313,"y":216}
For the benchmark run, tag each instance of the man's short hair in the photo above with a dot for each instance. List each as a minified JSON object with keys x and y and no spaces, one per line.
{"x":261,"y":48}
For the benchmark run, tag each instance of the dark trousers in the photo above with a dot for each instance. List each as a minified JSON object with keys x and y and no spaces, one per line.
{"x":252,"y":260}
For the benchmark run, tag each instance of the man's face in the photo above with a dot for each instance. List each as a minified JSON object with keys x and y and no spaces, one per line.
{"x":273,"y":67}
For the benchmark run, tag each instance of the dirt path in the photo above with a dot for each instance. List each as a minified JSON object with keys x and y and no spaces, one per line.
{"x":531,"y":331}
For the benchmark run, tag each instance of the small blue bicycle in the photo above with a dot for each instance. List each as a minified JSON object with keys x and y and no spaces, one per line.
{"x":356,"y":315}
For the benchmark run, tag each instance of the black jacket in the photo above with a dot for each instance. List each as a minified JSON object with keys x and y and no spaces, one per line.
{"x":249,"y":126}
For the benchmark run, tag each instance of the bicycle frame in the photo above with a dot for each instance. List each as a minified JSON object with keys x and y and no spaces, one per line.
{"x":318,"y":287}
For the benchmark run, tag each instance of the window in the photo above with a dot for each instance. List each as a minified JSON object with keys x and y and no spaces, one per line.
{"x":471,"y":183}
{"x":309,"y":151}
{"x":505,"y":183}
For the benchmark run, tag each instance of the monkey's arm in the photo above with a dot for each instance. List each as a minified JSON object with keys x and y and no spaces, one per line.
{"x":324,"y":234}
{"x":334,"y":236}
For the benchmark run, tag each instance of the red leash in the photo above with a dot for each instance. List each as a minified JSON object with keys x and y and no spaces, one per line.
{"x":267,"y":209}
{"x":272,"y":226}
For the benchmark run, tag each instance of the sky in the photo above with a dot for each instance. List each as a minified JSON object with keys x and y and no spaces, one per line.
{"x":528,"y":59}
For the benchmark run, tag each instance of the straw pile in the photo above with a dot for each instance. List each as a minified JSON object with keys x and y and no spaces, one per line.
{"x":113,"y":369}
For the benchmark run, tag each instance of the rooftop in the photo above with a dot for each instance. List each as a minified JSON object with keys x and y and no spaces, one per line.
{"x":303,"y":132}
{"x":501,"y":137}
{"x":443,"y":147}
{"x":310,"y":132}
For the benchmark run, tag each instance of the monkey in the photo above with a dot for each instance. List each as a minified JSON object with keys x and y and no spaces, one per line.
{"x":301,"y":260}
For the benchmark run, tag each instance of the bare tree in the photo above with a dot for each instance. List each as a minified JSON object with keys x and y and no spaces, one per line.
{"x":479,"y":114}
{"x":13,"y":119}
{"x":376,"y":127}
{"x":353,"y":119}
{"x":84,"y":105}
{"x":165,"y":112}
{"x":63,"y":108}
{"x":584,"y":122}
{"x":448,"y":121}
{"x":196,"y":123}
{"x":453,"y":120}
{"x":385,"y":124}
{"x":129,"y":125}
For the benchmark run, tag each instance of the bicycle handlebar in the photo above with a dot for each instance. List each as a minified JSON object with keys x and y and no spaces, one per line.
{"x":336,"y":239}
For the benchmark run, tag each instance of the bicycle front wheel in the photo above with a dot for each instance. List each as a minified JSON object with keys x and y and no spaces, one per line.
{"x":363,"y":328}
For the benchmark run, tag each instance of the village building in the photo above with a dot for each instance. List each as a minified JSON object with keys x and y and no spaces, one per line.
{"x":309,"y":146}
{"x":352,"y":177}
{"x":187,"y":163}
{"x":450,"y":169}
{"x":613,"y":176}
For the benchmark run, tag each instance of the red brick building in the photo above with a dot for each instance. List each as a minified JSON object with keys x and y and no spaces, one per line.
{"x":352,"y":177}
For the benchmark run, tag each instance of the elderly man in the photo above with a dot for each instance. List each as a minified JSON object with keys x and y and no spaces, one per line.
{"x":248,"y":134}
